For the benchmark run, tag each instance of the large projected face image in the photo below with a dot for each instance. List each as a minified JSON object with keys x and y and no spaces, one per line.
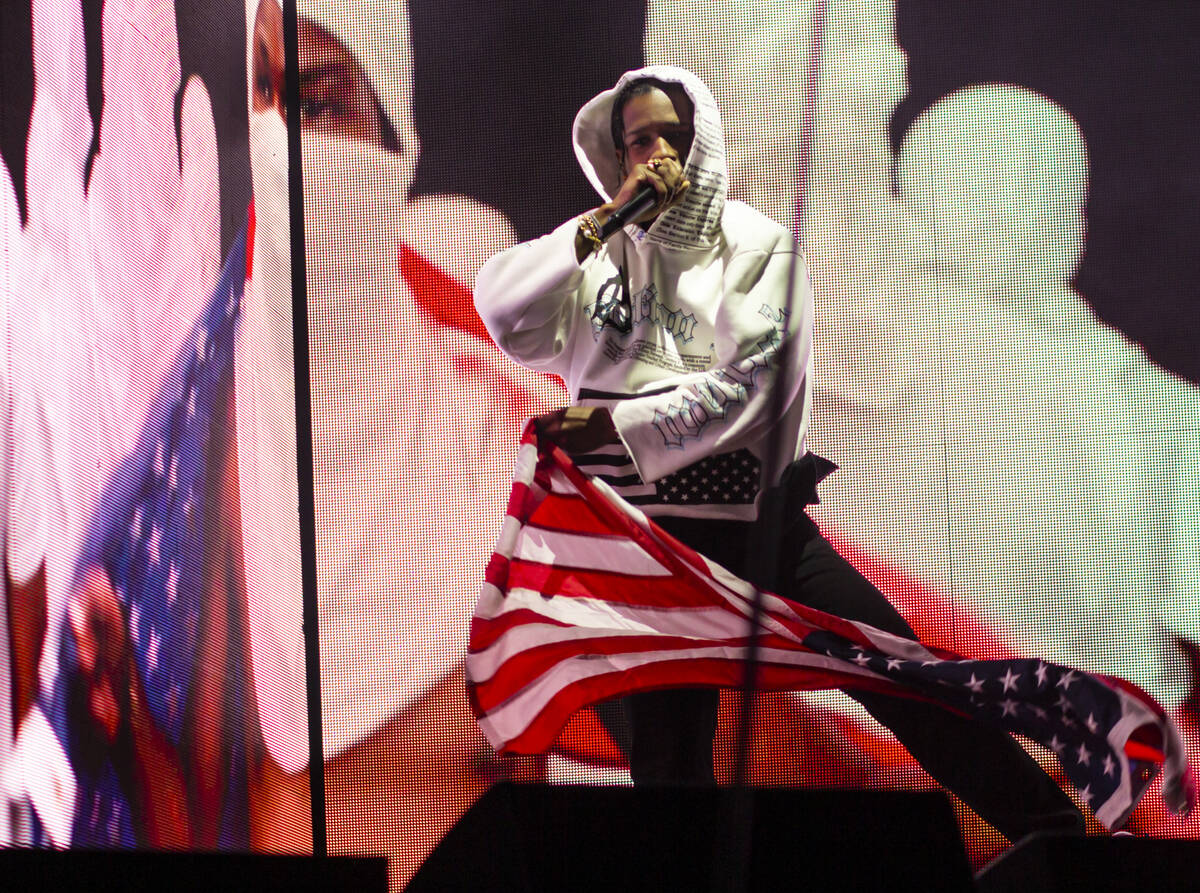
{"x":415,"y":423}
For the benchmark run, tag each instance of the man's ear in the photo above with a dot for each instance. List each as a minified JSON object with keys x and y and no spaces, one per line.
{"x":621,"y":164}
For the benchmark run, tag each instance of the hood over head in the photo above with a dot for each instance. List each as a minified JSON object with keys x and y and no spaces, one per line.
{"x":696,"y":221}
{"x":376,"y":33}
{"x":996,"y":177}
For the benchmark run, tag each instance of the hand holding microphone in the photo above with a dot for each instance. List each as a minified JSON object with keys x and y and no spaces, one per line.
{"x":648,"y":191}
{"x":656,"y":186}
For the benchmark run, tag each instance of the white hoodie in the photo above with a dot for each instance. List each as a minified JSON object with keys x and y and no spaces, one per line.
{"x":685,"y":357}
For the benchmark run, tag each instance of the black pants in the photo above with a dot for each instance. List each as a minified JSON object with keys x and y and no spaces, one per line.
{"x":672,"y":731}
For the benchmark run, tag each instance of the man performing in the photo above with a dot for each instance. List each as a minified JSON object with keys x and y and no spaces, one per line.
{"x":667,"y":334}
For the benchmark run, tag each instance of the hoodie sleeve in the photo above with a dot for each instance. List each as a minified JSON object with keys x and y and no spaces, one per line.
{"x":527,"y":295}
{"x":732,"y":405}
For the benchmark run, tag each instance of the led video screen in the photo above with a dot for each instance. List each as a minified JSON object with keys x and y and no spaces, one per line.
{"x":995,"y":205}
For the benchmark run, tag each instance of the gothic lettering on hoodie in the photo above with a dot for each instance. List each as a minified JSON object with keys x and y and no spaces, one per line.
{"x":680,"y":326}
{"x":611,"y":307}
{"x":614,"y":308}
{"x":721,"y":391}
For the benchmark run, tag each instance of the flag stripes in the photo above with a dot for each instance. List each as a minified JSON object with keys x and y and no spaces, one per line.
{"x":586,"y":600}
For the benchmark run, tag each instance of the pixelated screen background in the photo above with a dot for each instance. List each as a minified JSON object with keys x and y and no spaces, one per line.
{"x":998,"y":211}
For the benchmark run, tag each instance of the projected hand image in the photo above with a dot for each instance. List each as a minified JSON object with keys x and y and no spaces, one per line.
{"x":117,"y":252}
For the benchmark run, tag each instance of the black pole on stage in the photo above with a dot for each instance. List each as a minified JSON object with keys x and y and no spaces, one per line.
{"x":731,"y":871}
{"x":304,"y":445}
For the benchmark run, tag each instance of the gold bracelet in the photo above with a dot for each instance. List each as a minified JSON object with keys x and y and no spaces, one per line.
{"x":591,"y":231}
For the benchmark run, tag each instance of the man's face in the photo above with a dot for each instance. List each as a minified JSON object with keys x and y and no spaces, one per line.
{"x":657,"y":125}
{"x":335,"y":95}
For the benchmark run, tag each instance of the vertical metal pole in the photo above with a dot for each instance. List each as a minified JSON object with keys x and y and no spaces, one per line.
{"x":304,"y":446}
{"x":764,"y":544}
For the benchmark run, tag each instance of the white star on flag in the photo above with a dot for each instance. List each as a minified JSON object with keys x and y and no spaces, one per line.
{"x":1010,"y":680}
{"x":152,"y":543}
{"x":152,"y":651}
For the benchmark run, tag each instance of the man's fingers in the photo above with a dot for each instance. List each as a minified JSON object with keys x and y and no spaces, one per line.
{"x":60,"y":132}
{"x":665,"y":175}
{"x":679,"y":192}
{"x":578,"y":428}
{"x":140,"y":60}
{"x":549,"y":426}
{"x":576,"y":413}
{"x":655,"y":182}
{"x":200,"y":180}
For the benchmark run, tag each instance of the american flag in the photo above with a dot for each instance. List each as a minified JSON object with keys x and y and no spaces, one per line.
{"x":149,"y":537}
{"x":586,"y":599}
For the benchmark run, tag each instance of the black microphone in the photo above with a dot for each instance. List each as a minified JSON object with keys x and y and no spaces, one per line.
{"x":643,"y":201}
